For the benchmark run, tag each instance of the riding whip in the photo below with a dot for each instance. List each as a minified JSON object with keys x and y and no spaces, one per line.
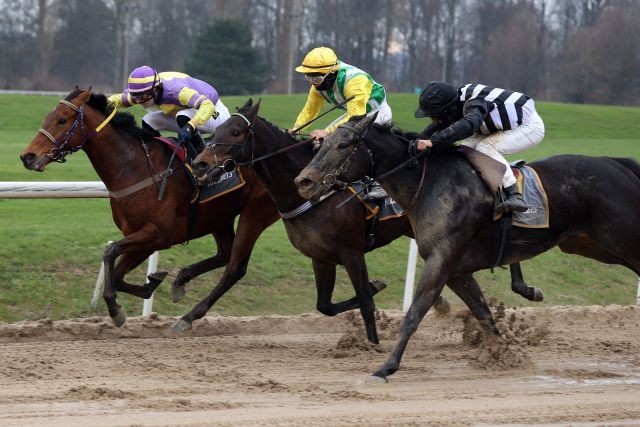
{"x":296,"y":130}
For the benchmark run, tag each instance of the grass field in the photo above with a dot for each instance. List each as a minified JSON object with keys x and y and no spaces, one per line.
{"x":51,"y":249}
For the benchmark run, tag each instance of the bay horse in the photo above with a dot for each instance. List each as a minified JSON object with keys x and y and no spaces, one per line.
{"x":327,"y":235}
{"x":592,"y":208}
{"x":126,"y":160}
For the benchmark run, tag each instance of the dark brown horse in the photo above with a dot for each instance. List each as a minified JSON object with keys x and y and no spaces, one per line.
{"x":124,"y":157}
{"x":327,"y":235}
{"x":592,"y":208}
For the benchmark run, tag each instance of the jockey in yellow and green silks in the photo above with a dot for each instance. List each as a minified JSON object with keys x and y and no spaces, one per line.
{"x":174,"y":101}
{"x":334,"y":81}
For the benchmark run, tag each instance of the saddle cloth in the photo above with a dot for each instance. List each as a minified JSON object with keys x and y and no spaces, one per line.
{"x":226,"y":183}
{"x":386,"y":208}
{"x":537,"y":216}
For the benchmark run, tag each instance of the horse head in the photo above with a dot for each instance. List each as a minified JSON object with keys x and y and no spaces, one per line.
{"x":62,"y":133}
{"x":232,"y":144}
{"x":343,"y":157}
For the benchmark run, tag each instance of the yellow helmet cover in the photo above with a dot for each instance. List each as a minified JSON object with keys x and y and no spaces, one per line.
{"x":319,"y":60}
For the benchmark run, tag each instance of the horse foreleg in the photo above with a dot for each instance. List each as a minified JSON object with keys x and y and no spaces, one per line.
{"x":430,"y":284}
{"x":146,"y":239}
{"x":356,"y":268}
{"x":469,"y":291}
{"x":249,"y":229}
{"x":127,"y":262}
{"x":224,"y":241}
{"x":519,"y":286}
{"x":325,"y":276}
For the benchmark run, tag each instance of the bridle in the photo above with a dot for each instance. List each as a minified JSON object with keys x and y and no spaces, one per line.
{"x":59,"y":151}
{"x":331,"y":180}
{"x":229,"y":165}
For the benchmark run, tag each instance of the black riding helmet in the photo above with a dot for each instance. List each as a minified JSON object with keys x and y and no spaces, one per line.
{"x":435,"y":99}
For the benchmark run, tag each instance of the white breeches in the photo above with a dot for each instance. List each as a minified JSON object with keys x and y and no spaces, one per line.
{"x":511,"y":141}
{"x":160,"y":121}
{"x":384,"y":115}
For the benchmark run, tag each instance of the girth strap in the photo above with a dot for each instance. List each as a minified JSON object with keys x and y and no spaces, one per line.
{"x":142,"y":184}
{"x":303,"y":207}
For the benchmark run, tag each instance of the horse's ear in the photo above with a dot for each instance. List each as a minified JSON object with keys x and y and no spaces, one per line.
{"x":84,"y":96}
{"x":246,"y":105}
{"x":255,"y":108}
{"x":365,"y":123}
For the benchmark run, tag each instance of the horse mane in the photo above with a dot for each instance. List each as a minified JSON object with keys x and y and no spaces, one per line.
{"x":390,"y":128}
{"x":121,"y":121}
{"x":272,"y":127}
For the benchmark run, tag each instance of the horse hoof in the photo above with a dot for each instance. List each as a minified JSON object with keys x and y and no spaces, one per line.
{"x":119,"y":318}
{"x":374,"y":379}
{"x":442,"y":306}
{"x":377,"y":286}
{"x":181,"y":326}
{"x":158,"y":276}
{"x":537,"y":295}
{"x":178,"y":293}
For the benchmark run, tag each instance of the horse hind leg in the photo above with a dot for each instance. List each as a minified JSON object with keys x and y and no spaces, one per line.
{"x":224,"y":242}
{"x":519,"y":286}
{"x":470,"y":293}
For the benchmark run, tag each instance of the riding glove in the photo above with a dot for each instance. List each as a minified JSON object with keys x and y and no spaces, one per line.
{"x":185,"y":133}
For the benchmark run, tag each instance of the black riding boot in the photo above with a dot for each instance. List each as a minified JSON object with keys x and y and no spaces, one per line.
{"x":514,"y":202}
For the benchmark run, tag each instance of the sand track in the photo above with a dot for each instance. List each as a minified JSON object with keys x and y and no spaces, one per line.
{"x":559,"y":365}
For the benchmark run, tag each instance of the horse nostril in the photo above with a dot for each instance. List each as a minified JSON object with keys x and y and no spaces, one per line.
{"x":304,"y":183}
{"x":28,"y":159}
{"x":200,"y":168}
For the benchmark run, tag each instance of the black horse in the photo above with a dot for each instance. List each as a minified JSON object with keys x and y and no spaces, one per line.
{"x":327,"y":235}
{"x":323,"y":233}
{"x":592,"y":204}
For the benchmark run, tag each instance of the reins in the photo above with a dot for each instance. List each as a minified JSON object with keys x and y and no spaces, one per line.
{"x":389,"y":172}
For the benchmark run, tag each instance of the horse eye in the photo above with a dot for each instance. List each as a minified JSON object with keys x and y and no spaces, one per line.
{"x":62,"y":121}
{"x":235,"y":133}
{"x":343,"y":145}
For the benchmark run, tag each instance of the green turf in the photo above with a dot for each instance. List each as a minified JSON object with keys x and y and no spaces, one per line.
{"x":51,"y":249}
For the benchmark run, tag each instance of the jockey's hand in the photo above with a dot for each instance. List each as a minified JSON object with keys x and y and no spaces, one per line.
{"x":185,"y":133}
{"x":319,"y":134}
{"x":423,"y":144}
{"x":113,"y":99}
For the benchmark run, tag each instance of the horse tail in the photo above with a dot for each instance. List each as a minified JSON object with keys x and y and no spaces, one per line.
{"x":629,"y":164}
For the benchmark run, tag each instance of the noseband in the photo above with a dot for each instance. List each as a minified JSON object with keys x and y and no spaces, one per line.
{"x":331,"y":180}
{"x":59,"y":151}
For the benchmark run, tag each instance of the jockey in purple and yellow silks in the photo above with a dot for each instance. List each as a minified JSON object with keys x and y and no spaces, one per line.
{"x":174,"y":101}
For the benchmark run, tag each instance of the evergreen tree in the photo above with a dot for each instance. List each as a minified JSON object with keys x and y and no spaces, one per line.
{"x":223,"y":56}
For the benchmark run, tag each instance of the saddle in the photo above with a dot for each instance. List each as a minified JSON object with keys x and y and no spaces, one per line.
{"x":529,"y":184}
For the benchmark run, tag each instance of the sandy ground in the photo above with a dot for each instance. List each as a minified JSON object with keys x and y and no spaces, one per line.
{"x":554,"y":366}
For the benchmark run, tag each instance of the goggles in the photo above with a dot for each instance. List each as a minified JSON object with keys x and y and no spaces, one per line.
{"x":140,"y":97}
{"x":316,"y":78}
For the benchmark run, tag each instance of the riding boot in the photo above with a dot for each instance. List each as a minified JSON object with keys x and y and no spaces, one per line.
{"x":376,"y":192}
{"x":514,"y":202}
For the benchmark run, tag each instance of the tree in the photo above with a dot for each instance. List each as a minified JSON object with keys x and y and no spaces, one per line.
{"x":224,"y":57}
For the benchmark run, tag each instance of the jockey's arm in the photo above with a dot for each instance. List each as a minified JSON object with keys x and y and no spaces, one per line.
{"x":193,"y":99}
{"x":474,"y":112}
{"x":431,"y":129}
{"x":119,"y":100}
{"x":360,"y":88}
{"x":311,"y":108}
